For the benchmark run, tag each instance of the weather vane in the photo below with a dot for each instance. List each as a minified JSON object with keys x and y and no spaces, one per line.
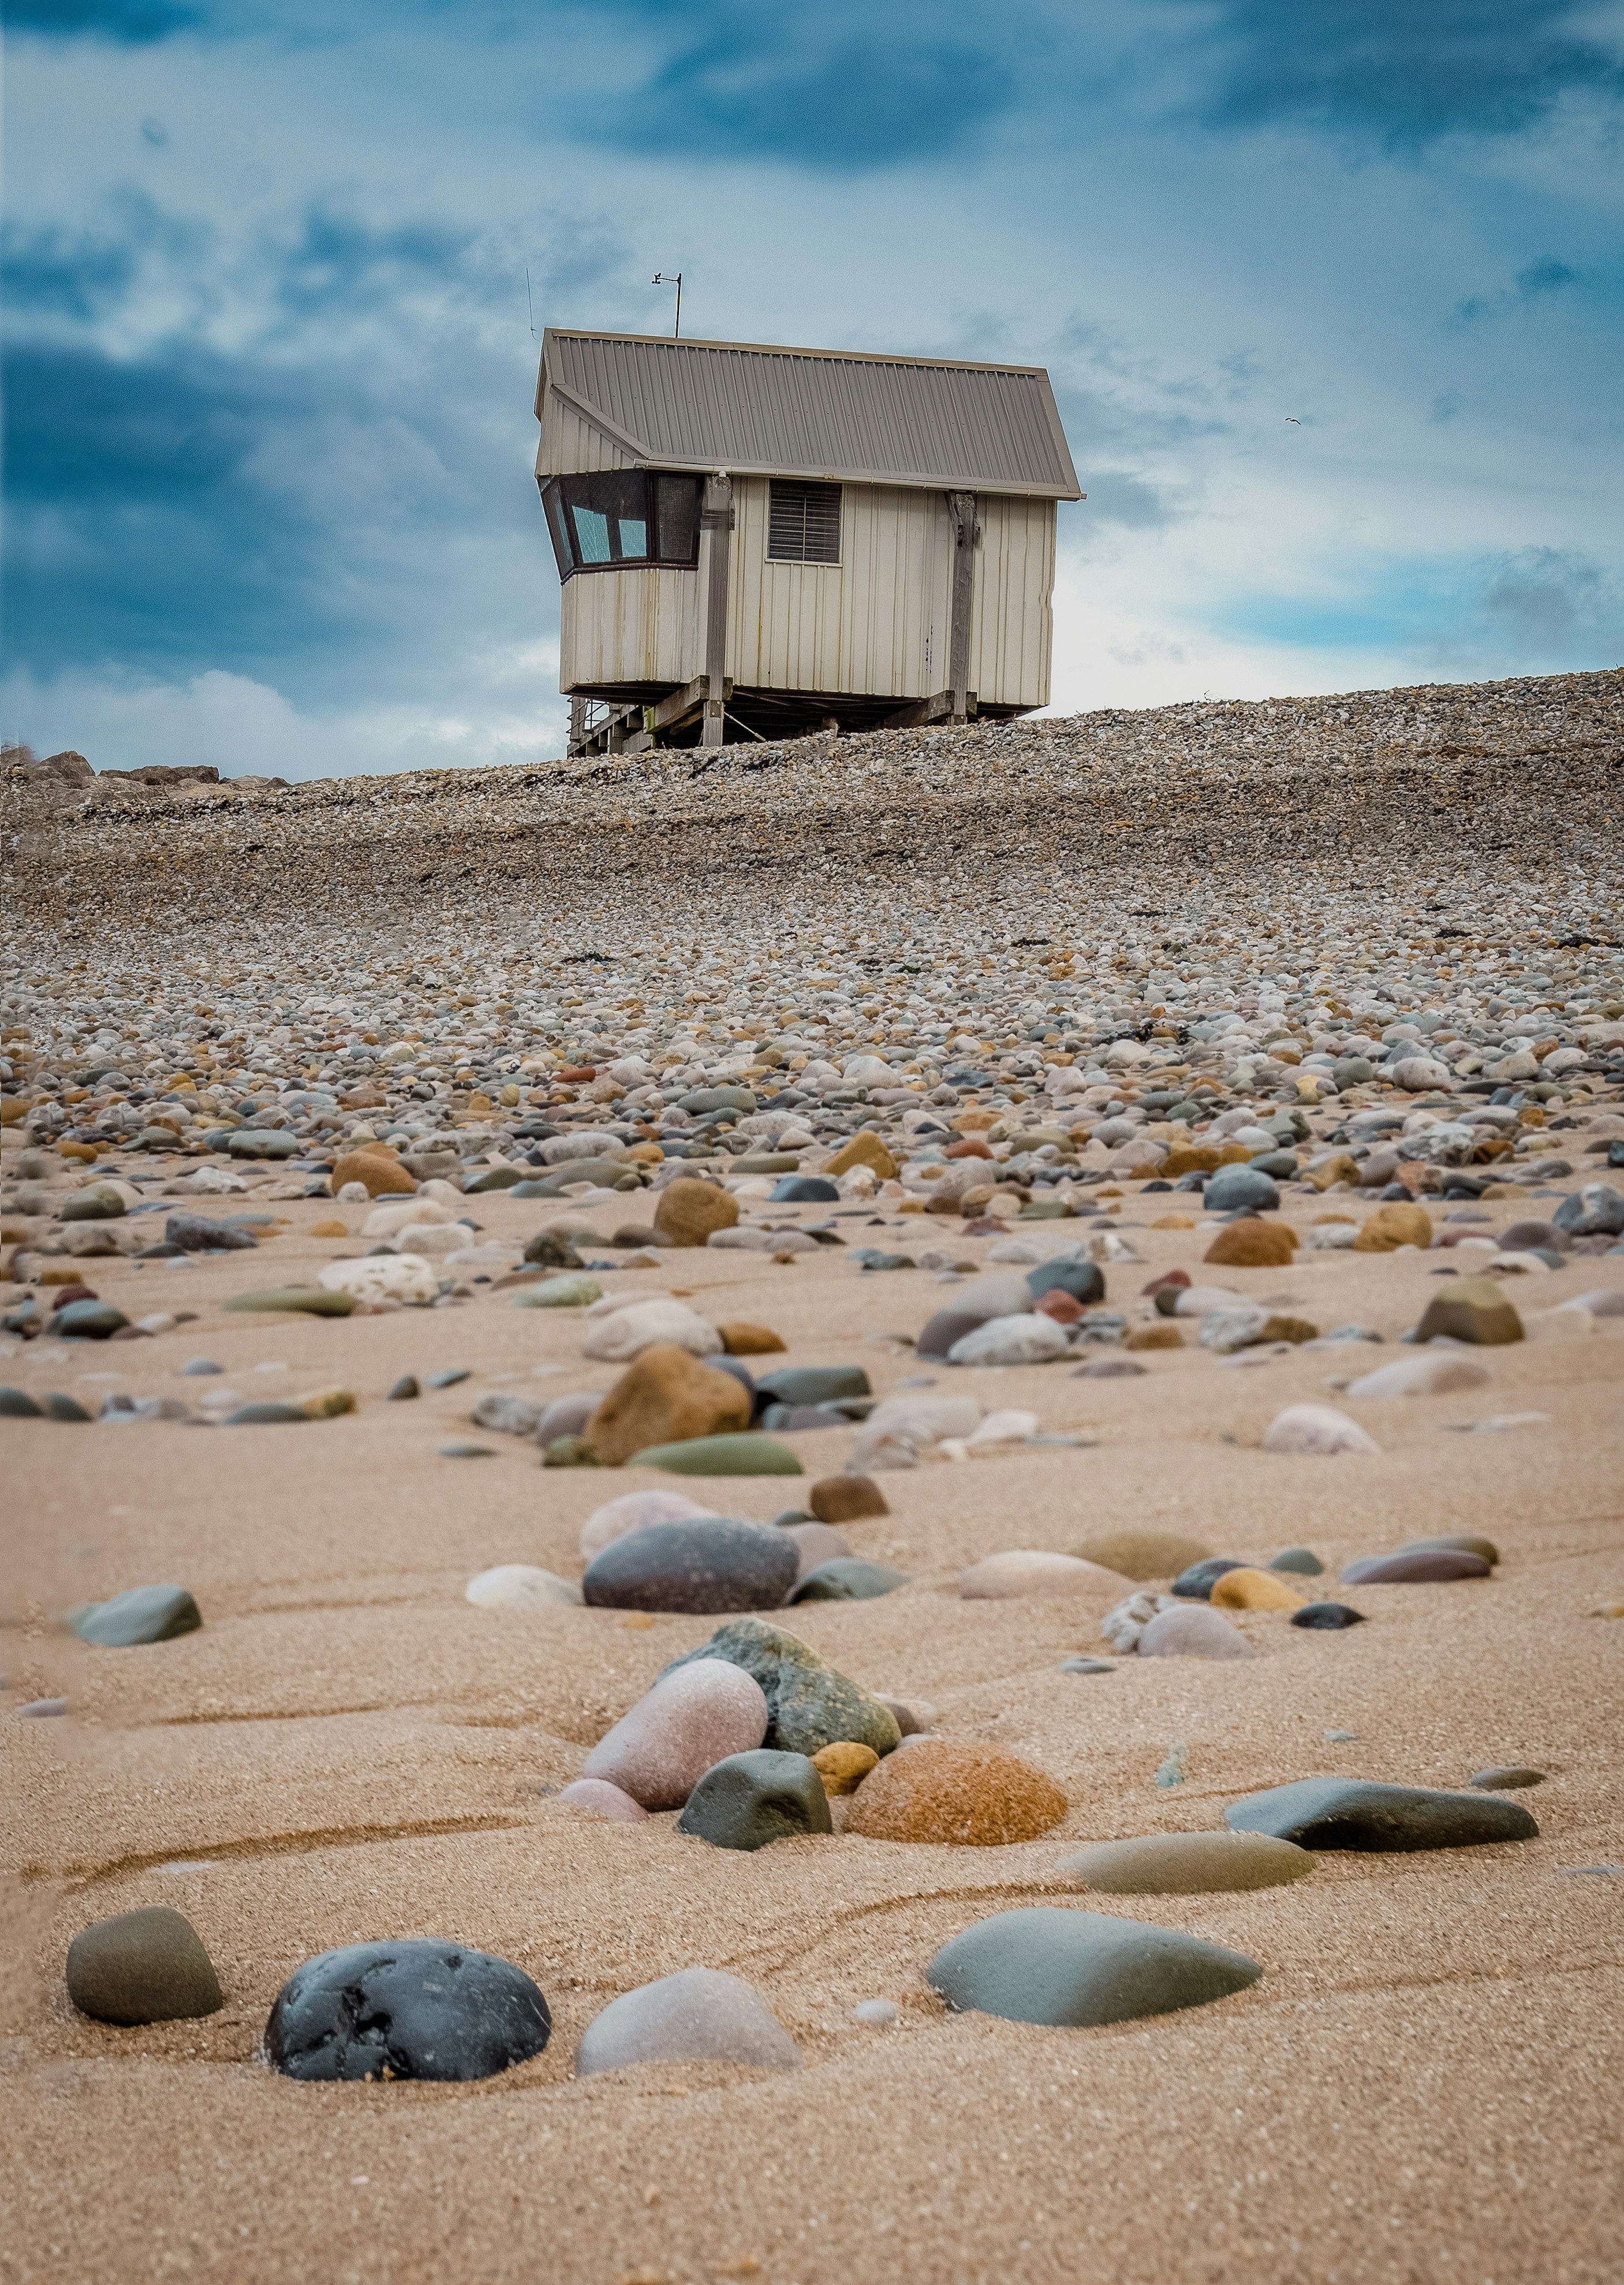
{"x":660,"y":279}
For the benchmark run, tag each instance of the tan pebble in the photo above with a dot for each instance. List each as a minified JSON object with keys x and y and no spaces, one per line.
{"x":1252,"y":1245}
{"x":843,"y":1766}
{"x":1155,"y":1337}
{"x":741,"y":1339}
{"x":1254,"y":1590}
{"x":1393,"y":1226}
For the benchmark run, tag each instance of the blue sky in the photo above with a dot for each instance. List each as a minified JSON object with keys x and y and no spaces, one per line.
{"x":270,"y":367}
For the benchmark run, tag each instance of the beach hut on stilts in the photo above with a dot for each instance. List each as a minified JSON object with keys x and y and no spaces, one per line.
{"x":760,"y":543}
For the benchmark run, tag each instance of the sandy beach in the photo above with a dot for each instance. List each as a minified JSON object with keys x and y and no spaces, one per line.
{"x":1423,"y":2085}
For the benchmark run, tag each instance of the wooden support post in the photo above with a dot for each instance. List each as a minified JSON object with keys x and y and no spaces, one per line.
{"x":961,"y":509}
{"x":577,"y":724}
{"x":717,"y":518}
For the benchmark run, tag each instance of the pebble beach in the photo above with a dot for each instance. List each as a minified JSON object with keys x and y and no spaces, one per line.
{"x":851,"y":1511}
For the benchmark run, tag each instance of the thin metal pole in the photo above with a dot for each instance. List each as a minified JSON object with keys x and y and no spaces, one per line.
{"x":677,"y":333}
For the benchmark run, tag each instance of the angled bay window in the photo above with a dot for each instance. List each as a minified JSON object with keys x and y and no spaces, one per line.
{"x":621,"y":517}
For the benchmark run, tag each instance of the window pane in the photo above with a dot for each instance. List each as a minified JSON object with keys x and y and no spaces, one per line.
{"x":592,"y":529}
{"x":633,"y":539}
{"x":679,"y":511}
{"x":559,"y":528}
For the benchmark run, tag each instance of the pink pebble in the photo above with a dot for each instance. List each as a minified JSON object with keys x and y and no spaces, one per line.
{"x":607,"y":1800}
{"x":689,"y":1721}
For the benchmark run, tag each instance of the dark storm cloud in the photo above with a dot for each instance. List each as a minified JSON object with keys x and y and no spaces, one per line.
{"x":1407,"y":73}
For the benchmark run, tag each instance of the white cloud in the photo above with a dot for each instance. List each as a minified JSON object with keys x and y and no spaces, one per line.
{"x":244,"y":728}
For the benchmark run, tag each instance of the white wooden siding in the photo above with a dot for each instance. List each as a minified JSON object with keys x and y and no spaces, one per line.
{"x":1012,"y":620}
{"x":628,"y":626}
{"x":875,"y":624}
{"x":571,"y":446}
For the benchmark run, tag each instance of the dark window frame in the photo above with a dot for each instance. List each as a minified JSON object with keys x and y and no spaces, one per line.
{"x":617,"y":490}
{"x":795,"y":501}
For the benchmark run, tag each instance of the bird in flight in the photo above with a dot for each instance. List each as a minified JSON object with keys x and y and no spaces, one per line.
{"x":1292,"y":421}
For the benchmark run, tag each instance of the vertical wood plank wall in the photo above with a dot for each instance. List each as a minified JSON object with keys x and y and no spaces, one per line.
{"x":1012,"y":624}
{"x":630,"y":626}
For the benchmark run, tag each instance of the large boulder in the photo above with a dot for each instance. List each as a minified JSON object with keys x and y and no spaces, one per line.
{"x":665,"y":1397}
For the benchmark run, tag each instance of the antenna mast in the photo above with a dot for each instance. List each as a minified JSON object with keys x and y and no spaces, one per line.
{"x":660,"y":279}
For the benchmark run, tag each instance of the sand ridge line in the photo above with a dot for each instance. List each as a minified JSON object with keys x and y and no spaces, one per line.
{"x":78,"y":1875}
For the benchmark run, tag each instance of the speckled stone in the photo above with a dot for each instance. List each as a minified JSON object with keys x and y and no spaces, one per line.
{"x":705,"y":1564}
{"x":810,"y":1703}
{"x":971,"y":1796}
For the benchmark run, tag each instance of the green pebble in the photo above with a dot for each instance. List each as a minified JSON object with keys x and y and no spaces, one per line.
{"x":742,"y":1455}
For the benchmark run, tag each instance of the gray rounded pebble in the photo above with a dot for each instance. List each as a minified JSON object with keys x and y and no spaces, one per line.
{"x":1044,"y":1964}
{"x":706,"y":1564}
{"x":1188,"y":1863}
{"x":848,"y":1579}
{"x":1300,"y":1559}
{"x":1509,"y":1780}
{"x":697,"y":2015}
{"x":140,"y":1614}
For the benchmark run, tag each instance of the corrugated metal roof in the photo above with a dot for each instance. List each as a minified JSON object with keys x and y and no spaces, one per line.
{"x":760,"y":411}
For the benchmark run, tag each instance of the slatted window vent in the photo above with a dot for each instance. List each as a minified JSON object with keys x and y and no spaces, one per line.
{"x":803,"y":523}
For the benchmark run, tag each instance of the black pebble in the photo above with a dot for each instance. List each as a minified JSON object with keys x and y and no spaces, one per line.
{"x":405,"y":1387}
{"x":421,"y":2008}
{"x":1327,"y":1614}
{"x":1196,"y":1584}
